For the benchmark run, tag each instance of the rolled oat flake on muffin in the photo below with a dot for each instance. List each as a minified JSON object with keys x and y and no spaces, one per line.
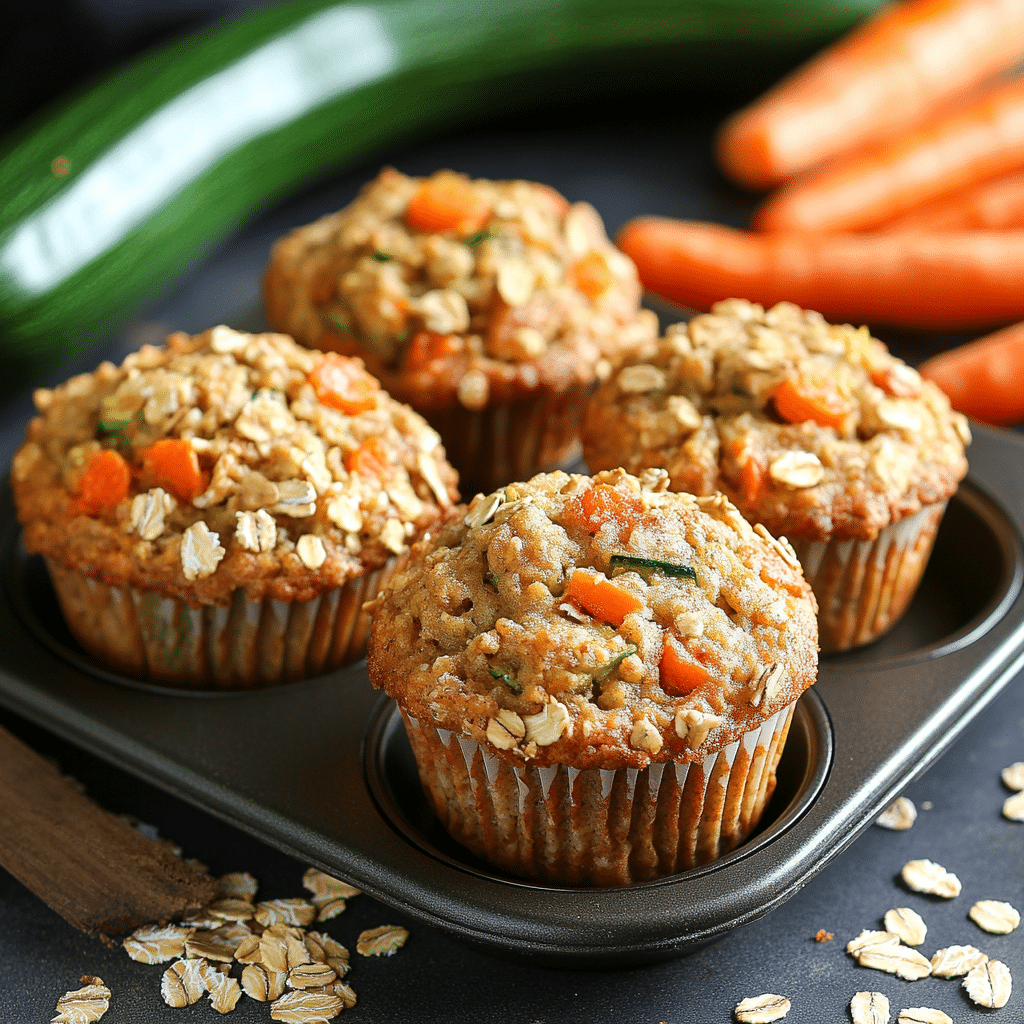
{"x":569,"y":719}
{"x":214,"y":513}
{"x":815,"y":431}
{"x":491,"y":307}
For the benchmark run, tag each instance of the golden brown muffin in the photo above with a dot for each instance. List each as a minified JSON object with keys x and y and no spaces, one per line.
{"x":597,"y":675}
{"x":214,"y":513}
{"x":815,"y":431}
{"x":491,"y":307}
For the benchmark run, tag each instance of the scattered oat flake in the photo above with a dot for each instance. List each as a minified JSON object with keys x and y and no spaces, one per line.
{"x":899,"y":815}
{"x":310,"y":976}
{"x":989,"y":984}
{"x":239,"y":885}
{"x":1013,"y":776}
{"x":224,"y":992}
{"x":83,"y":1005}
{"x":994,"y":916}
{"x":953,"y":961}
{"x":1013,"y":807}
{"x":869,"y":1008}
{"x":927,"y":876}
{"x":869,"y":937}
{"x":184,"y":982}
{"x":317,"y":881}
{"x":762,"y":1009}
{"x":343,"y":991}
{"x":263,"y":984}
{"x":306,"y":1007}
{"x":382,"y":941}
{"x":907,"y":924}
{"x":823,"y":936}
{"x":323,"y":949}
{"x":923,"y":1015}
{"x":156,"y":944}
{"x":231,"y":908}
{"x":900,"y":960}
{"x":295,"y":911}
{"x":210,"y":946}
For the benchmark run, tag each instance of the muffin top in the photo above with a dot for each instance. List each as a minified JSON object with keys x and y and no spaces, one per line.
{"x":598,"y":622}
{"x":460,"y":290}
{"x":812,"y":429}
{"x":227,"y":460}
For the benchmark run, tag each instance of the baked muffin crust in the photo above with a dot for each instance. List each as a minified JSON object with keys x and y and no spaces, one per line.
{"x":294,"y":494}
{"x":527,"y":293}
{"x":539,"y":621}
{"x":814,"y":430}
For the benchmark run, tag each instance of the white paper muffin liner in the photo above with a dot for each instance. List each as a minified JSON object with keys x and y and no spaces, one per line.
{"x":242,"y":646}
{"x":593,"y":826}
{"x":864,"y":586}
{"x":510,"y":441}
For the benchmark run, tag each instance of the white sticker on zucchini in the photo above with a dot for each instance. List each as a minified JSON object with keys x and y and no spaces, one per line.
{"x":325,"y":56}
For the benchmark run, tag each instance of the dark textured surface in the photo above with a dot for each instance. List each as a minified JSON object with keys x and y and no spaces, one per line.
{"x":625,"y":164}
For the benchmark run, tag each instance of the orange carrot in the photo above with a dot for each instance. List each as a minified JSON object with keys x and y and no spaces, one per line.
{"x":941,"y":280}
{"x":807,"y":399}
{"x":599,"y":505}
{"x":171,"y":463}
{"x":447,"y":202}
{"x":680,"y":675}
{"x":988,"y":206}
{"x":983,"y":377}
{"x":604,"y":600}
{"x":104,"y":482}
{"x":370,"y":459}
{"x":426,"y":346}
{"x":972,"y":142}
{"x":591,"y":274}
{"x":878,"y":80}
{"x":343,"y":384}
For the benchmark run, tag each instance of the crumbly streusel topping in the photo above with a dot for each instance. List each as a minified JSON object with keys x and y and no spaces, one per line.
{"x":528,"y":288}
{"x":598,"y":622}
{"x":810,"y":428}
{"x":248,"y":460}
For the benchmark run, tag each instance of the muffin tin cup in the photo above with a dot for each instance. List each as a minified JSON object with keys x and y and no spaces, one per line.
{"x":509,"y":441}
{"x":598,"y":827}
{"x":243,"y":645}
{"x":864,"y":586}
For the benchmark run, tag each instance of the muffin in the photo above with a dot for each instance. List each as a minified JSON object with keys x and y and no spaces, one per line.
{"x":814,"y":431}
{"x":491,"y":307}
{"x":214,"y":513}
{"x":597,"y":676}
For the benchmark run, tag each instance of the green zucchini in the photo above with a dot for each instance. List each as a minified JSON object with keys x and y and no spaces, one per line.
{"x":126,"y":188}
{"x":650,"y":565}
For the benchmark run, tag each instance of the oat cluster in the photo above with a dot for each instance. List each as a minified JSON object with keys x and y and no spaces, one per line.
{"x":282,"y":961}
{"x":597,"y":622}
{"x":526,"y":291}
{"x":250,"y":466}
{"x":812,"y":429}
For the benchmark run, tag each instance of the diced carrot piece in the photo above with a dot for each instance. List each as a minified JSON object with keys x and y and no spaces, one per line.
{"x":104,"y":482}
{"x":603,"y":599}
{"x":344,"y":385}
{"x":426,"y":346}
{"x":680,"y":675}
{"x":447,"y":202}
{"x":797,"y":401}
{"x":369,"y":459}
{"x":591,"y":275}
{"x":172,"y":464}
{"x":753,"y":478}
{"x":599,"y":505}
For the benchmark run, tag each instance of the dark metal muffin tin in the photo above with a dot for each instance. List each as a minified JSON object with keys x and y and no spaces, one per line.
{"x":322,"y":770}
